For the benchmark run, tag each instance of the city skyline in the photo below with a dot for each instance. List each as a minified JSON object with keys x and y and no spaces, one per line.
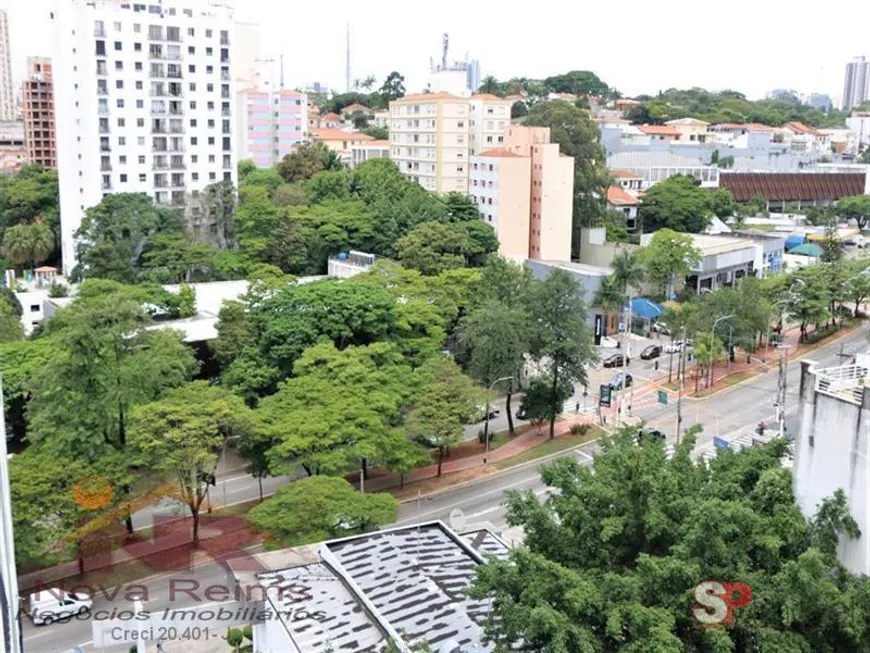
{"x":648,"y":59}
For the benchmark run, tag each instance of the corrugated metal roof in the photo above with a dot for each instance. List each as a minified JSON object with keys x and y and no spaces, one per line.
{"x":793,"y":186}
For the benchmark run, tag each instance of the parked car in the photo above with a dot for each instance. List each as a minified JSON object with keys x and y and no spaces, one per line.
{"x":480,"y":414}
{"x":650,"y":352}
{"x":661,"y":327}
{"x":654,"y":434}
{"x":609,"y":343}
{"x":614,"y":360}
{"x":522,"y":414}
{"x":617,"y":381}
{"x":54,"y":604}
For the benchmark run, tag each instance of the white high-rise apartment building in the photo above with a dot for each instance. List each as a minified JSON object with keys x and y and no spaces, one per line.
{"x":144,"y":102}
{"x":490,"y":117}
{"x":857,"y":86}
{"x":7,"y":94}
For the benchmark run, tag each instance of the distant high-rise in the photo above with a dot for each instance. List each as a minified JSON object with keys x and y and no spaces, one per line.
{"x":856,"y":90}
{"x":38,"y":96}
{"x":7,"y":95}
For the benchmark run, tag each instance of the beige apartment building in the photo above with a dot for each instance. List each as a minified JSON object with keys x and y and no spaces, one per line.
{"x":526,"y":192}
{"x":430,"y":137}
{"x":490,"y":116}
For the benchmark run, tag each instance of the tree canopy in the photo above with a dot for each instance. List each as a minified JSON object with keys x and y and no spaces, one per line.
{"x":680,"y":204}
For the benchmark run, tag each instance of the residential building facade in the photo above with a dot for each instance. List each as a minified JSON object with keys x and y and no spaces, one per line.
{"x":7,"y":93}
{"x":362,"y":152}
{"x":856,"y":88}
{"x":430,"y":140}
{"x":272,"y":124}
{"x":13,"y":153}
{"x":38,"y":104}
{"x":340,"y":142}
{"x":148,"y":98}
{"x":490,"y":116}
{"x":526,"y":192}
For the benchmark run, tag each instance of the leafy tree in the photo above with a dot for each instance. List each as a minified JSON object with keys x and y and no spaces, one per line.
{"x":434,"y":247}
{"x":668,"y":256}
{"x":378,"y":133}
{"x":183,"y":435}
{"x":560,"y":340}
{"x":537,"y":403}
{"x":289,"y":195}
{"x":519,"y":109}
{"x":855,"y":208}
{"x":104,"y":362}
{"x":677,"y":203}
{"x":236,"y":332}
{"x":609,"y":297}
{"x":115,"y":234}
{"x":340,"y":408}
{"x":172,"y":258}
{"x":28,"y":243}
{"x":722,"y":203}
{"x":612,"y":559}
{"x":497,"y":335}
{"x":577,"y":82}
{"x":460,"y":208}
{"x":819,"y":215}
{"x":10,"y":324}
{"x":307,"y":161}
{"x":29,"y":194}
{"x":268,"y":178}
{"x":322,"y":508}
{"x":489,"y":85}
{"x":445,"y":402}
{"x":858,"y":289}
{"x":580,"y":138}
{"x":811,"y":301}
{"x":628,"y":270}
{"x":393,"y":87}
{"x":245,"y":167}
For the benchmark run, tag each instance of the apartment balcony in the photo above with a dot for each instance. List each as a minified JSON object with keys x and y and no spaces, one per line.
{"x":161,"y":184}
{"x":176,"y":130}
{"x":177,"y":185}
{"x":225,"y":41}
{"x":105,"y":148}
{"x":178,"y":166}
{"x":159,"y":130}
{"x":226,"y":112}
{"x":225,"y":59}
{"x":173,"y":75}
{"x":158,"y":111}
{"x":176,"y":112}
{"x":159,"y":166}
{"x":106,"y":186}
{"x":103,"y":92}
{"x":159,"y":150}
{"x":225,"y":77}
{"x":104,"y":130}
{"x":106,"y":167}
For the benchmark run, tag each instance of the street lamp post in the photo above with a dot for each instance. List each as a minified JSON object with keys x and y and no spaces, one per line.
{"x":712,"y":332}
{"x":486,"y":426}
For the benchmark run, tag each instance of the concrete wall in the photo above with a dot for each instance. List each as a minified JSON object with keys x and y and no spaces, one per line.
{"x":595,"y":250}
{"x":832,"y":451}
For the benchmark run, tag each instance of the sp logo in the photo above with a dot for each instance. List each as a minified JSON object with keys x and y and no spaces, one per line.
{"x":715,"y":602}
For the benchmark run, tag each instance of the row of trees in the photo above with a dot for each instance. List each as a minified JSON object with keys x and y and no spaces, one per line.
{"x":612,"y":557}
{"x":29,"y":218}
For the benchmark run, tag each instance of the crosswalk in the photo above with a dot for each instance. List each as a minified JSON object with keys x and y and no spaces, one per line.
{"x":705,"y":453}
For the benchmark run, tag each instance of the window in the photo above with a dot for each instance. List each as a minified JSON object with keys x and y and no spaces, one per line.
{"x":191,"y":68}
{"x":209,"y":70}
{"x":117,"y":46}
{"x":193,"y":122}
{"x":122,"y":140}
{"x":460,"y":123}
{"x":209,"y":88}
{"x":140,"y":122}
{"x":119,"y":83}
{"x":141,"y":141}
{"x":191,"y":50}
{"x":101,"y":48}
{"x":209,"y":52}
{"x":140,"y":104}
{"x":212,"y":176}
{"x":123,"y":179}
{"x":122,"y":122}
{"x":137,"y":47}
{"x":141,"y":160}
{"x":190,"y":31}
{"x":211,"y":106}
{"x":139,"y":85}
{"x":211,"y":124}
{"x":137,"y":27}
{"x":193,"y":105}
{"x":120,"y":103}
{"x":211,"y":158}
{"x":194,"y":176}
{"x":192,"y":87}
{"x":101,"y":68}
{"x":211,"y":140}
{"x":35,"y":308}
{"x":143,"y":177}
{"x":208,"y":33}
{"x":193,"y":140}
{"x":194,"y":158}
{"x":122,"y":160}
{"x":138,"y":66}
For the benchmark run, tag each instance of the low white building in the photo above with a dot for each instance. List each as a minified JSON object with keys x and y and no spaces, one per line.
{"x":362,"y":152}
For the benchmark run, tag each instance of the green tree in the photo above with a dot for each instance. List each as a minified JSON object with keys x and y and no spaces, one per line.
{"x":722,"y":203}
{"x":519,"y":109}
{"x":628,"y":271}
{"x":393,"y":87}
{"x":489,"y":85}
{"x":322,"y":508}
{"x":340,"y":408}
{"x":677,"y":203}
{"x":236,"y":332}
{"x":497,"y":336}
{"x":855,"y":208}
{"x":28,"y":243}
{"x":307,"y":161}
{"x":378,"y":133}
{"x":858,"y":287}
{"x":578,"y":137}
{"x":811,"y":301}
{"x":611,"y":562}
{"x":289,"y":195}
{"x":183,"y":434}
{"x":29,"y":194}
{"x":609,"y":297}
{"x":434,"y":247}
{"x":445,"y":402}
{"x":537,"y":403}
{"x":268,"y":178}
{"x":11,"y":328}
{"x":245,"y":167}
{"x":560,"y":340}
{"x":577,"y":82}
{"x":172,"y":258}
{"x":668,"y":256}
{"x":115,"y":234}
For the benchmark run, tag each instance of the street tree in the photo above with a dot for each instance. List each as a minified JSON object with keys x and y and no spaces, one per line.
{"x":183,"y":434}
{"x":236,"y":332}
{"x":811,"y":301}
{"x":537,"y":403}
{"x":497,"y":337}
{"x":678,"y":203}
{"x":341,"y":409}
{"x":628,"y":271}
{"x":857,"y":288}
{"x":560,"y":340}
{"x":446,"y":400}
{"x":668,"y":256}
{"x":580,"y":138}
{"x":613,"y":556}
{"x":855,"y":208}
{"x":722,"y":203}
{"x":503,"y":281}
{"x":321,"y":508}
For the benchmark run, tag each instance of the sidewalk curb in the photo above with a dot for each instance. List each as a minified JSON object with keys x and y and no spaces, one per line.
{"x":499,"y":472}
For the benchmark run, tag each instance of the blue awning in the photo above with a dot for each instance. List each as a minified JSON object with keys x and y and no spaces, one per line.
{"x":644,"y":308}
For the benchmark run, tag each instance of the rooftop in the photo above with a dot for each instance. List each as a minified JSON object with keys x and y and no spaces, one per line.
{"x":799,"y":128}
{"x":659,"y":130}
{"x":793,"y":186}
{"x":714,"y":245}
{"x":489,"y":97}
{"x":330,"y":116}
{"x":360,"y":591}
{"x":338,"y":135}
{"x":498,"y":152}
{"x":687,"y":121}
{"x":618,"y":173}
{"x":581,"y":268}
{"x":846,"y":382}
{"x":618,"y":197}
{"x":432,"y":97}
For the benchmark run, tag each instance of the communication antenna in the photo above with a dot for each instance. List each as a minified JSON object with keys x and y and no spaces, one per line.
{"x":445,"y":44}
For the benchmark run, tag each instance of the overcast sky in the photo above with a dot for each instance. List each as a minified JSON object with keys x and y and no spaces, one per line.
{"x":637,"y":46}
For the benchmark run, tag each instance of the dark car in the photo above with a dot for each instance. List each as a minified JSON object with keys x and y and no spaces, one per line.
{"x":614,"y":360}
{"x":522,"y":414}
{"x":650,"y":434}
{"x":616,"y":381}
{"x":650,"y":352}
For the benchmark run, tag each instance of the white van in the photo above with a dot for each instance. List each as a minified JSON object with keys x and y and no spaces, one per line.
{"x":54,"y":604}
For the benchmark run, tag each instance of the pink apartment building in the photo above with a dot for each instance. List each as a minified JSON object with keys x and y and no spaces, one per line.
{"x":271,"y":124}
{"x":525,"y":190}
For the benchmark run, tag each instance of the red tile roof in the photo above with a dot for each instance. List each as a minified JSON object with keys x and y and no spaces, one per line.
{"x":356,"y":106}
{"x":497,"y":153}
{"x":330,"y":116}
{"x":338,"y":135}
{"x":624,"y":174}
{"x":800,"y":128}
{"x":378,"y":144}
{"x":489,"y":96}
{"x":618,"y":197}
{"x":793,"y":186}
{"x":659,"y":130}
{"x":417,"y":97}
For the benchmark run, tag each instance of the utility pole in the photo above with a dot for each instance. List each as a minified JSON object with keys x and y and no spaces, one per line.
{"x":783,"y":382}
{"x":681,"y":368}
